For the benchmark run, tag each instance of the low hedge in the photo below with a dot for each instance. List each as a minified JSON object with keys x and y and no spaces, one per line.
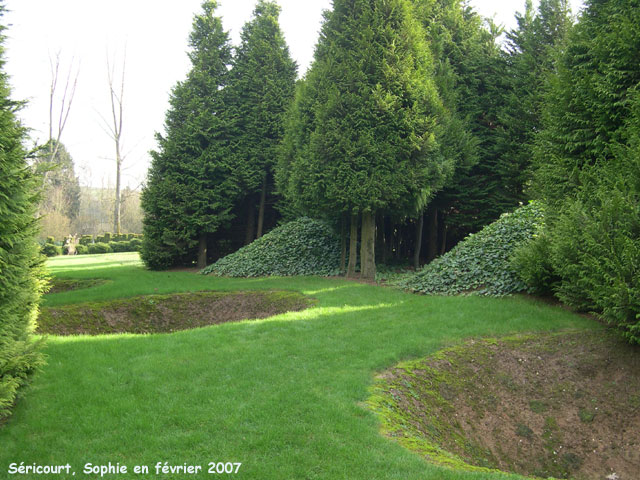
{"x":302,"y":247}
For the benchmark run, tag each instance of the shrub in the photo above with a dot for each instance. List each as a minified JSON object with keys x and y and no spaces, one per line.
{"x":51,"y":250}
{"x":85,"y":239}
{"x":82,"y":249}
{"x":596,"y":254}
{"x":532,"y":262}
{"x":99,"y":248}
{"x":107,"y":237}
{"x":480,"y":264}
{"x":51,"y":240}
{"x":135,"y":244}
{"x":301,"y":247}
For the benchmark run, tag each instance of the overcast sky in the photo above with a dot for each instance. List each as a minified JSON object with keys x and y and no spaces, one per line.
{"x":155,"y":34}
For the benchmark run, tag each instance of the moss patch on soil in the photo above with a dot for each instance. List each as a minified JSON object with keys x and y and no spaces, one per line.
{"x":59,"y":285}
{"x":167,"y":313}
{"x":556,"y":405}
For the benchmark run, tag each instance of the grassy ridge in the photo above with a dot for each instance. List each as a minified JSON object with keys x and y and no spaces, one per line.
{"x":283,"y":395}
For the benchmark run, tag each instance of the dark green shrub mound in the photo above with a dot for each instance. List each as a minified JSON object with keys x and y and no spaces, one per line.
{"x":99,"y":248}
{"x":51,"y":250}
{"x":480,"y":264}
{"x":301,"y":247}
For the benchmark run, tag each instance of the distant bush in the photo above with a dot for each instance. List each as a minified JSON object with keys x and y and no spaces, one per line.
{"x":82,"y":249}
{"x":99,"y":248}
{"x":135,"y":244}
{"x":86,"y":239}
{"x":301,"y":247}
{"x":480,"y":264}
{"x":51,"y":250}
{"x":51,"y":240}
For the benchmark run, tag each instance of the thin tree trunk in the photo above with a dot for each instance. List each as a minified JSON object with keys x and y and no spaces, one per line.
{"x":263,"y":199}
{"x":418,"y":245}
{"x":116,"y":210}
{"x":343,"y":241}
{"x":433,"y":235}
{"x":380,"y":238}
{"x":353,"y":247}
{"x":202,"y":251}
{"x":444,"y":240}
{"x":251,"y":222}
{"x":367,"y":246}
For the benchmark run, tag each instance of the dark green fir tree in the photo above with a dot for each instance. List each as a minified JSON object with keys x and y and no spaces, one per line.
{"x":191,"y":185}
{"x":364,"y":137}
{"x":261,"y":88}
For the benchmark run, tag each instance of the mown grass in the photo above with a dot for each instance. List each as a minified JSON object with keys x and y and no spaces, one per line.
{"x":284,"y":396}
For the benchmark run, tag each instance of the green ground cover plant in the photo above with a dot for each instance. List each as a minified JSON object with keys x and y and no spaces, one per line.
{"x":284,"y":395}
{"x":302,"y":247}
{"x":481,"y":264}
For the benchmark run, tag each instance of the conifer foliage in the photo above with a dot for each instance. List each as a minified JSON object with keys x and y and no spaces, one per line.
{"x":363,"y":137}
{"x":20,"y":261}
{"x":191,"y":184}
{"x":261,"y":88}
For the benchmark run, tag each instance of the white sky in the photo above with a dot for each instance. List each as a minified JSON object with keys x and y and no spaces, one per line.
{"x":155,"y":34}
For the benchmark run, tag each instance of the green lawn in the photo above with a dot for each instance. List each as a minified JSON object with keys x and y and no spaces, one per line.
{"x":284,"y":395}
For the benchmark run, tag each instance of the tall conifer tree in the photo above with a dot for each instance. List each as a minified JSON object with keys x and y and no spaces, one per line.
{"x":261,"y":88}
{"x":191,"y":184}
{"x":367,"y":142}
{"x":20,"y":259}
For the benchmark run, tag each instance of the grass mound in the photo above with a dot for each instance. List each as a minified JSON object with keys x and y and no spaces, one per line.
{"x":302,"y":247}
{"x":554,"y":405}
{"x":481,"y":263}
{"x":166,"y":313}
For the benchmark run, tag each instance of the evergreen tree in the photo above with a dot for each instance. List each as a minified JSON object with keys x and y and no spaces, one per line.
{"x":20,"y":260}
{"x":588,"y":166}
{"x":191,"y":184}
{"x":261,"y":88}
{"x":503,"y":93}
{"x":364,"y":140}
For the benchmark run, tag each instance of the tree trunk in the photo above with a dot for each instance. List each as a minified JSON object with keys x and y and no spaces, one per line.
{"x":116,"y":210}
{"x":263,"y":199}
{"x":443,"y":250}
{"x":343,"y":242}
{"x":380,"y":239}
{"x":418,"y":245}
{"x":367,"y":246}
{"x":433,"y":235}
{"x":251,"y":222}
{"x":353,"y":247}
{"x":202,"y":251}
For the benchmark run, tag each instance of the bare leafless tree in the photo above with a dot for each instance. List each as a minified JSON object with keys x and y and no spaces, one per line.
{"x":59,"y":109}
{"x":114,"y":129}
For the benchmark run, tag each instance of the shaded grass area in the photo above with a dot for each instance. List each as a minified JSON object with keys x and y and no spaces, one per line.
{"x":284,"y":396}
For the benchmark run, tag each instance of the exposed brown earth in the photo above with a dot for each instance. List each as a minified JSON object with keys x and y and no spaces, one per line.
{"x":563,"y":405}
{"x":166,"y":313}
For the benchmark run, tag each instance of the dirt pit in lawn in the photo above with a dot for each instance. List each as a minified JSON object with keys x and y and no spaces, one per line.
{"x":555,"y":405}
{"x":167,"y":313}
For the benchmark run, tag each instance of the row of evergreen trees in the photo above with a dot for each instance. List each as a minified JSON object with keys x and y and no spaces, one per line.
{"x":587,"y":169}
{"x":410,"y":115}
{"x":214,"y":164}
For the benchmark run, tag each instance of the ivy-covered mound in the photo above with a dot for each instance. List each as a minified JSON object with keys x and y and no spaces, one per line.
{"x":481,"y":263}
{"x":302,"y":247}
